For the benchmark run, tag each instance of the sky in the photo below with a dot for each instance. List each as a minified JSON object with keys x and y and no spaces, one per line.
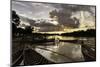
{"x":55,"y":17}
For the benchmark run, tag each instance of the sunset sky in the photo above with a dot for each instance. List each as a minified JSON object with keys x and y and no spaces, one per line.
{"x":57,"y":17}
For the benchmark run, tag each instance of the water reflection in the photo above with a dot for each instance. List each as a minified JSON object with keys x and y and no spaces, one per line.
{"x":59,"y":52}
{"x":71,"y":52}
{"x":62,"y":37}
{"x":63,"y":52}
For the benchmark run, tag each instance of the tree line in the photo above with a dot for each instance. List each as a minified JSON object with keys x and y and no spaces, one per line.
{"x":18,"y":30}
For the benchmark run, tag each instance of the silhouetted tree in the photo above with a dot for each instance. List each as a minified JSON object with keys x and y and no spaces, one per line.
{"x":15,"y":18}
{"x":28,"y":30}
{"x":15,"y":22}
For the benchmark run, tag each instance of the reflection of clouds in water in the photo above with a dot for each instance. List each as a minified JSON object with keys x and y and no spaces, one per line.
{"x":69,"y":50}
{"x":59,"y":58}
{"x":63,"y":52}
{"x":76,"y":51}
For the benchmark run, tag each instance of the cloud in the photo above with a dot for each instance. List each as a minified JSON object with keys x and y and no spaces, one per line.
{"x":31,"y":9}
{"x":64,"y":19}
{"x":63,"y":13}
{"x":42,"y":24}
{"x":27,"y":21}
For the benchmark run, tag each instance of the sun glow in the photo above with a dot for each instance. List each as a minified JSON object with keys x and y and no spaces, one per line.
{"x":54,"y":32}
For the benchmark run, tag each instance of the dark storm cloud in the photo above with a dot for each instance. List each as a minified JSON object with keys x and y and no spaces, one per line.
{"x":63,"y":17}
{"x":65,"y":13}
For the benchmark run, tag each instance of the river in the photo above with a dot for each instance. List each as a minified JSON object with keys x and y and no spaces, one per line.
{"x":60,"y":52}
